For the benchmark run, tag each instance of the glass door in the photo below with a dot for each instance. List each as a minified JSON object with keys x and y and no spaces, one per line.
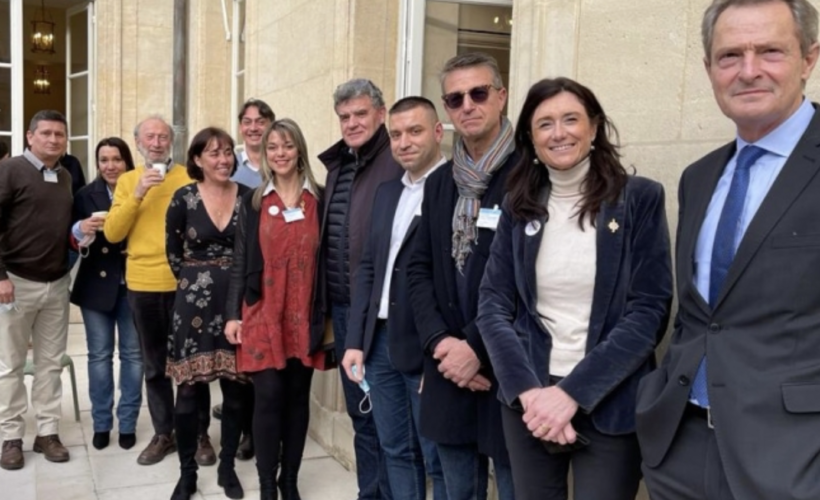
{"x":79,"y":81}
{"x":11,"y":75}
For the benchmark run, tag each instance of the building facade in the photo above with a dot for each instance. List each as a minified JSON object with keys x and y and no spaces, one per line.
{"x":114,"y":63}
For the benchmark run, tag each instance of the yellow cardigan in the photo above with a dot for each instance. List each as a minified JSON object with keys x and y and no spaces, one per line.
{"x":142,"y":222}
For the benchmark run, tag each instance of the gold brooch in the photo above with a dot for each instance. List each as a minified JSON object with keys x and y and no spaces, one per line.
{"x":613,"y":226}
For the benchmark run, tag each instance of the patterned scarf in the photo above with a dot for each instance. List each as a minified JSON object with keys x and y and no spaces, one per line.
{"x":472,"y":179}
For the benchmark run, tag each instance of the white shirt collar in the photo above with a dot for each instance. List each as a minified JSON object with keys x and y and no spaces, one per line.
{"x":36,"y":161}
{"x":405,"y":179}
{"x":271,"y":188}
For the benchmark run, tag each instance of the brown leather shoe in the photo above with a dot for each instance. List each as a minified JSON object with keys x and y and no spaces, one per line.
{"x":12,"y":458}
{"x":205,"y":454}
{"x":51,"y":448}
{"x":160,"y":446}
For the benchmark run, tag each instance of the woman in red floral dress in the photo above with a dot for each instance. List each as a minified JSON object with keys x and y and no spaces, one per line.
{"x":269,"y":302}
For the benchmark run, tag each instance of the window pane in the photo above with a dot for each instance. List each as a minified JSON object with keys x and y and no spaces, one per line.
{"x":5,"y":99}
{"x":78,"y":119}
{"x":452,"y":29}
{"x":79,"y":42}
{"x":79,"y":149}
{"x":5,"y":31}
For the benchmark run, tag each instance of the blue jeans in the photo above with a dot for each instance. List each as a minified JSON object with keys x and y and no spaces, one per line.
{"x":371,"y":471}
{"x":466,"y":473}
{"x":396,"y":402}
{"x":99,"y":331}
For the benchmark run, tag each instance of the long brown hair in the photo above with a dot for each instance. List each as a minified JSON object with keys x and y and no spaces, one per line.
{"x":606,"y":178}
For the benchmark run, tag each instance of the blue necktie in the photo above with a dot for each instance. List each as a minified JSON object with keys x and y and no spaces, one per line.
{"x":727,"y":238}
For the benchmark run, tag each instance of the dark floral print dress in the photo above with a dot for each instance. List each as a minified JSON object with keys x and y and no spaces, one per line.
{"x":200,"y":256}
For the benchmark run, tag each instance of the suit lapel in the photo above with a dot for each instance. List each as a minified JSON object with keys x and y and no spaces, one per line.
{"x":99,"y":196}
{"x":611,"y":229}
{"x":701,"y":189}
{"x":531,"y":245}
{"x":796,"y":175}
{"x":394,"y":190}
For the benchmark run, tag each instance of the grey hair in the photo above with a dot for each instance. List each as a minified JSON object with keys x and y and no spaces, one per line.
{"x":153,"y":117}
{"x":358,"y":87}
{"x":804,"y":13}
{"x":471,"y":60}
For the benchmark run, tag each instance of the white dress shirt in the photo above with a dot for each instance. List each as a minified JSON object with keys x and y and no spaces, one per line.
{"x":409,"y":206}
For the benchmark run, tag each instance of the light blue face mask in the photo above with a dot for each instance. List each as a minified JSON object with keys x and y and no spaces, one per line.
{"x":365,"y":405}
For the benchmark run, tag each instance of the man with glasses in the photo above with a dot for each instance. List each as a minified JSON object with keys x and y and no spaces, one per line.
{"x":138,"y":215}
{"x":254,"y":118}
{"x":459,"y":214}
{"x":356,"y":165}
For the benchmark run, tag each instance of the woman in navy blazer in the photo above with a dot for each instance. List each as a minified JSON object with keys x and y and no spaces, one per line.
{"x":571,"y":319}
{"x":99,"y":290}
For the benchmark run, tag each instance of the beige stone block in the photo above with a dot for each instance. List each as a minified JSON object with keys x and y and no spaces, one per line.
{"x":632,"y":57}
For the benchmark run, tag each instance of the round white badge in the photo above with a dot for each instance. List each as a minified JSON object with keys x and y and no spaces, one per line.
{"x":274,"y":210}
{"x":532,"y":228}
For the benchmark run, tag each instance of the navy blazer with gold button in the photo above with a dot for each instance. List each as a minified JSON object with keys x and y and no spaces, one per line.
{"x":630,"y":307}
{"x":101,"y":271}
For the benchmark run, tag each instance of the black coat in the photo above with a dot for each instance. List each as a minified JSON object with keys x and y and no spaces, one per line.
{"x":451,"y":415}
{"x":101,"y":272}
{"x":630,"y":307}
{"x":403,"y":340}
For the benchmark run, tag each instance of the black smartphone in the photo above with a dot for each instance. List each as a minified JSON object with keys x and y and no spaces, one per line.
{"x":554,"y":448}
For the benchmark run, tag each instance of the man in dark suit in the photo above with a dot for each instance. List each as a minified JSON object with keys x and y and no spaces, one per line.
{"x":459,"y":408}
{"x":733,"y":411}
{"x":381,"y":335}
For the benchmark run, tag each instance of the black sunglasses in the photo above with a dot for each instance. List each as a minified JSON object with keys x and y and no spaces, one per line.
{"x":478,"y":95}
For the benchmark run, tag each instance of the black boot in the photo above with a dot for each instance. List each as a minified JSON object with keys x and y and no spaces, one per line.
{"x":267,"y":487}
{"x":227,"y":477}
{"x":186,"y":487}
{"x":288,"y":478}
{"x":186,"y":432}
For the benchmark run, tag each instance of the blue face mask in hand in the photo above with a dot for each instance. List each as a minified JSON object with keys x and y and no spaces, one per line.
{"x":365,"y":405}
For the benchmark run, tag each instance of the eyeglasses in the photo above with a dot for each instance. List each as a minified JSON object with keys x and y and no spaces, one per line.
{"x":478,"y":95}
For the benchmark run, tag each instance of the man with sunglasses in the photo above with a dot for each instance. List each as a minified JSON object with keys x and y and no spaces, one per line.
{"x":460,"y":210}
{"x":356,"y":165}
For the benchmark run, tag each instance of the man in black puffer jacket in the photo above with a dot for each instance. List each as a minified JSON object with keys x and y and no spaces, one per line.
{"x":356,"y":165}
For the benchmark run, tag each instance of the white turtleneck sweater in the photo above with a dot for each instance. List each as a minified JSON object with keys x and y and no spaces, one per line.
{"x":565,"y":271}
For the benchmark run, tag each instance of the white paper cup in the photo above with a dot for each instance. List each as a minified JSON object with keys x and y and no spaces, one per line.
{"x":160,"y":167}
{"x":102,"y":214}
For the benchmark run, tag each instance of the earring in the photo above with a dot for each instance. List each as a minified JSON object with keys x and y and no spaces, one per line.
{"x":535,"y":161}
{"x":592,"y":148}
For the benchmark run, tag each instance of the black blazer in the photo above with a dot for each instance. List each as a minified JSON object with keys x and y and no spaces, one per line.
{"x":245,"y":283}
{"x":449,"y":414}
{"x":101,"y":272}
{"x":762,"y":337}
{"x":403,"y":340}
{"x":630,"y":307}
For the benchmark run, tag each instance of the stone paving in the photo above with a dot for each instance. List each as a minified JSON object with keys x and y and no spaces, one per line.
{"x":113,"y":473}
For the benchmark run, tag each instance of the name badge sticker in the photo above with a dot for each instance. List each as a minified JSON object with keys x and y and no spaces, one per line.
{"x":50,"y":176}
{"x":488,"y":218}
{"x":293,"y":215}
{"x":273,"y":210}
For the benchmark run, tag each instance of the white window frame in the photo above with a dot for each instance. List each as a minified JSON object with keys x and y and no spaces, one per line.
{"x":16,"y":65}
{"x":237,"y":37}
{"x":89,"y":73}
{"x":411,"y":47}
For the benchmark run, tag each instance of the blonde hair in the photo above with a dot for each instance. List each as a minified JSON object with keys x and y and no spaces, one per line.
{"x":287,"y":128}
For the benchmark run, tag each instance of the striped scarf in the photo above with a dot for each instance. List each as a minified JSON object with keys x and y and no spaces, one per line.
{"x":472,"y":179}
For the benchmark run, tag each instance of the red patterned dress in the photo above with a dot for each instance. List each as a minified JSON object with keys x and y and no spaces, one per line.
{"x":277,"y":327}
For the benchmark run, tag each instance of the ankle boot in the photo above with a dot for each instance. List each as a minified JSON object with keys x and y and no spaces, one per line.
{"x":229,"y":481}
{"x":185,"y":488}
{"x":267,"y":487}
{"x":288,"y":479}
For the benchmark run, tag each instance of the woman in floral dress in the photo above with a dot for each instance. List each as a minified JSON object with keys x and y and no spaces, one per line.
{"x":269,"y":302}
{"x":200,"y":228}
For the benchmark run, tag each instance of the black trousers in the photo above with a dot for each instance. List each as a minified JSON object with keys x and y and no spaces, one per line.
{"x":152,"y":313}
{"x":692,"y":469}
{"x":187,"y":411}
{"x":608,"y":468}
{"x":281,"y":416}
